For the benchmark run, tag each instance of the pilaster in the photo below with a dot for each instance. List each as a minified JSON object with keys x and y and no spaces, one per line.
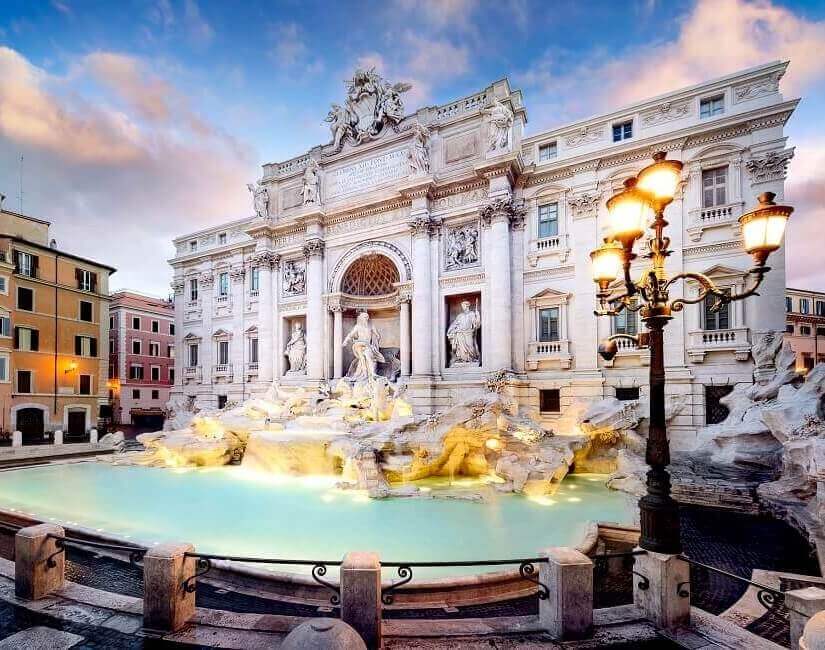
{"x":314,"y":252}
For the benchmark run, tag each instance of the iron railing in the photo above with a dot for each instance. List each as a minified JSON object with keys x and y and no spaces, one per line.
{"x":527,"y":570}
{"x":135,"y":553}
{"x":203,"y":565}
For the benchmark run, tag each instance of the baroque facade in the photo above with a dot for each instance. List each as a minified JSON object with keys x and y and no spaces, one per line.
{"x":805,"y":327}
{"x":467,"y":243}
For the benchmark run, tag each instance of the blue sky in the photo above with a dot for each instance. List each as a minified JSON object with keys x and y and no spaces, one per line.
{"x":145,"y":119}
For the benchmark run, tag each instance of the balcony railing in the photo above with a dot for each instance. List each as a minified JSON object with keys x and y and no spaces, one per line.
{"x":252,"y":368}
{"x":549,"y":243}
{"x":222,"y":370}
{"x":736,"y":340}
{"x":553,"y":351}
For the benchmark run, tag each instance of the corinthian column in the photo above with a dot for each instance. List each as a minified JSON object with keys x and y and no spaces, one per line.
{"x":237,"y":358}
{"x":422,"y":304}
{"x":497,"y":353}
{"x":265,"y":261}
{"x":314,"y":253}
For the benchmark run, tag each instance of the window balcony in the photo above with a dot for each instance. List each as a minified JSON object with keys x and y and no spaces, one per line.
{"x":222,"y":371}
{"x":556,"y":353}
{"x":221,"y":300}
{"x":252,"y":369}
{"x":554,"y":245}
{"x":716,"y":216}
{"x":192,"y":374}
{"x":627,"y":349}
{"x":734,"y":340}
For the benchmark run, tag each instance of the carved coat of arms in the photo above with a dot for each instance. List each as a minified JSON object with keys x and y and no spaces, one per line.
{"x":371,"y":104}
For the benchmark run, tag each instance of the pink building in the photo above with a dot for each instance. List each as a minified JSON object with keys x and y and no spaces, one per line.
{"x":141,"y":358}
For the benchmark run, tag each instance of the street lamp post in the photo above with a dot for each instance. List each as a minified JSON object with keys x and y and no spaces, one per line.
{"x":642,"y":201}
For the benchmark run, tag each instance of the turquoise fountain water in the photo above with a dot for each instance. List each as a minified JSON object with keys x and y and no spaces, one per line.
{"x":230,"y":510}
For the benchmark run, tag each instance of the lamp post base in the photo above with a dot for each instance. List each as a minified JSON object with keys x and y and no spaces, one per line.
{"x":659,"y":516}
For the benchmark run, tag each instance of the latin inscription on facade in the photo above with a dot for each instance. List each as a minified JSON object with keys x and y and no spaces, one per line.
{"x":367,"y":173}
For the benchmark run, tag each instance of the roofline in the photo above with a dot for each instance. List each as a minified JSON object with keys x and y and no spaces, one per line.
{"x":26,"y":216}
{"x":137,"y":294}
{"x":822,"y":293}
{"x":203,"y":231}
{"x":57,"y":251}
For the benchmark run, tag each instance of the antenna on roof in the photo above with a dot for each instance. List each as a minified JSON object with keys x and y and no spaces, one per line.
{"x":21,"y":183}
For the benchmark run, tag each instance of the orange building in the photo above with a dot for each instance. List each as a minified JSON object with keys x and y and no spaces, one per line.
{"x":53,"y":332}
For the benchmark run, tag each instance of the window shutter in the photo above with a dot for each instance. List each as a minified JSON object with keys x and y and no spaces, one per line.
{"x":78,"y":276}
{"x":93,"y":282}
{"x":35,"y":340}
{"x":35,"y":266}
{"x":93,"y":347}
{"x":16,"y":338}
{"x":78,"y":346}
{"x":17,"y":261}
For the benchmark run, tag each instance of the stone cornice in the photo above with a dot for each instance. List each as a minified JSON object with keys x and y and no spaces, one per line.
{"x":509,"y":165}
{"x":417,"y":189}
{"x":701,"y":251}
{"x":547,"y":274}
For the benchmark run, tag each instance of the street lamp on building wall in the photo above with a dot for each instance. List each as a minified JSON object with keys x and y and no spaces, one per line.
{"x":640,"y":206}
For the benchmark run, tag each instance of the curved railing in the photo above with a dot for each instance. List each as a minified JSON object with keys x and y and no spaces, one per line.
{"x":135,"y":553}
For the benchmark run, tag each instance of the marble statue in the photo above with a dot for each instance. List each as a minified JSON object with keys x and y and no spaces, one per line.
{"x":462,"y":336}
{"x":294,"y":280}
{"x":418,"y":154}
{"x":339,"y":125}
{"x":501,"y":121}
{"x":462,"y":247}
{"x":296,"y":350}
{"x":365,"y":340}
{"x":260,"y":199}
{"x":309,"y":189}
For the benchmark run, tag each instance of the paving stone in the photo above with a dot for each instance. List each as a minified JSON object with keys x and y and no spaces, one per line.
{"x":40,"y":637}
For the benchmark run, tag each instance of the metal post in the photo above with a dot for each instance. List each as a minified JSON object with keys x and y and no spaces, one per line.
{"x":658,"y":511}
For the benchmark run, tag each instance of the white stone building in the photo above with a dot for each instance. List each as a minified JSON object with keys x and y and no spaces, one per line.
{"x":406,"y":216}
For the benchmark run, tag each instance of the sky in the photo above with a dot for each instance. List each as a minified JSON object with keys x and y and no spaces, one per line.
{"x":141,"y":120}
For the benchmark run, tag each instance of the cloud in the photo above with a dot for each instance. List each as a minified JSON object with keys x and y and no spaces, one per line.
{"x":715,"y":38}
{"x":439,"y":14}
{"x":117,"y":182}
{"x":199,"y":30}
{"x":805,"y":190}
{"x":289,"y":49}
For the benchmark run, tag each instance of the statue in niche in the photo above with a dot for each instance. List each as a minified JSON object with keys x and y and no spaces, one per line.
{"x":294,"y":281}
{"x":296,"y":350}
{"x":339,"y":125}
{"x":365,"y":340}
{"x":309,"y":189}
{"x":501,"y":120}
{"x":418,"y":154}
{"x":462,"y":336}
{"x":462,"y":247}
{"x":260,"y":199}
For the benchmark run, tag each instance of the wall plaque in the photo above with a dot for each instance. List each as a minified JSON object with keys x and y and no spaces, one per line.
{"x":366,"y":174}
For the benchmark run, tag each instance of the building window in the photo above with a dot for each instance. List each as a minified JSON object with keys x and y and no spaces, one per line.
{"x":223,"y":284}
{"x":154,"y":373}
{"x":820,"y":331}
{"x":26,"y":339}
{"x":550,"y":400}
{"x":170,"y":351}
{"x":24,"y":381}
{"x":223,"y":353}
{"x":789,"y":329}
{"x":25,"y":299}
{"x":622,"y":131}
{"x":805,"y":330}
{"x":85,"y":384}
{"x":135,"y":371}
{"x":4,"y":285}
{"x":86,"y":311}
{"x":627,"y":393}
{"x":788,"y":304}
{"x":111,"y":371}
{"x":4,"y":368}
{"x":549,"y":324}
{"x":135,"y":393}
{"x":193,"y":245}
{"x":5,"y":326}
{"x":253,"y":350}
{"x":712,"y":106}
{"x":548,"y":151}
{"x":111,"y":322}
{"x":85,"y":346}
{"x":193,"y":355}
{"x":155,"y":326}
{"x":718,"y":320}
{"x":154,"y":349}
{"x":222,"y":238}
{"x":135,"y":322}
{"x":193,"y":289}
{"x":111,"y":346}
{"x":804,"y":306}
{"x":171,"y":329}
{"x":626,"y":322}
{"x":86,"y":280}
{"x":222,"y":401}
{"x":820,"y":307}
{"x":155,"y":394}
{"x":548,"y":220}
{"x":255,"y":279}
{"x":171,"y":375}
{"x":714,"y":187}
{"x":25,"y":264}
{"x":136,"y":347}
{"x":715,"y":411}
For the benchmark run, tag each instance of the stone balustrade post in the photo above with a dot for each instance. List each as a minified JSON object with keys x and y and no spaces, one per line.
{"x":361,"y":596}
{"x":93,"y":438}
{"x":167,"y":606}
{"x":33,"y":546}
{"x":567,"y":613}
{"x":58,"y":437}
{"x":803,"y":604}
{"x":658,"y":596}
{"x":16,"y":438}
